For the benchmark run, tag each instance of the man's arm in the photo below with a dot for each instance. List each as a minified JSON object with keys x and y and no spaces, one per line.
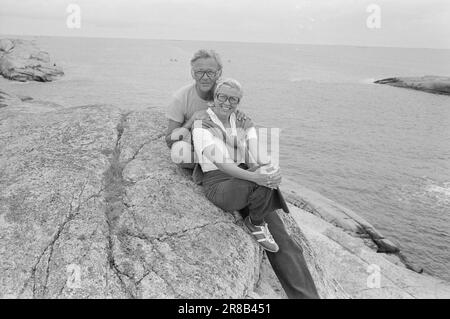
{"x":176,"y":118}
{"x":172,"y":125}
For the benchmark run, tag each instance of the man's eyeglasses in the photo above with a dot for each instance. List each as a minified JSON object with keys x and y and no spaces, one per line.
{"x":200,"y":74}
{"x":234,"y":100}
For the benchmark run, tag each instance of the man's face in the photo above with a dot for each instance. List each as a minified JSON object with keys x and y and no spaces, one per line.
{"x":205,"y":73}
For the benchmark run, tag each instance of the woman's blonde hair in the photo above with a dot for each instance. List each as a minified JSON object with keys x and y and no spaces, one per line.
{"x":232,"y":83}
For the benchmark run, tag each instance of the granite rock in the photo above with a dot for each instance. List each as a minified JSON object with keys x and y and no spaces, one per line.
{"x":92,"y":207}
{"x":22,"y":60}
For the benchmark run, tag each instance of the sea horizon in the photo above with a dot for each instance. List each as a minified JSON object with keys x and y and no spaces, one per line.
{"x":225,"y":41}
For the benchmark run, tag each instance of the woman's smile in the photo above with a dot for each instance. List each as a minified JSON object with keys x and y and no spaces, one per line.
{"x":225,"y":107}
{"x":225,"y":101}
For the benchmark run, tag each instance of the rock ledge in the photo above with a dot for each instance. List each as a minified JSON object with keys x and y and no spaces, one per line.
{"x":22,"y":60}
{"x":429,"y":83}
{"x":92,"y":207}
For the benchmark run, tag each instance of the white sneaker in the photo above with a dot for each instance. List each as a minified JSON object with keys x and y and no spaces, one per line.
{"x":262,"y":235}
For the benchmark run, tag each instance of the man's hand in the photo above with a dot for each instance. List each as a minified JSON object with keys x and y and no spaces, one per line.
{"x":171,"y":126}
{"x":199,"y":115}
{"x":179,"y":134}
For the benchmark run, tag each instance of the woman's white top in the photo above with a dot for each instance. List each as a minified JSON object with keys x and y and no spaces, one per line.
{"x":204,"y":138}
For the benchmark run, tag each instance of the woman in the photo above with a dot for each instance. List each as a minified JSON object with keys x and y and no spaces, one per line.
{"x":235,"y":176}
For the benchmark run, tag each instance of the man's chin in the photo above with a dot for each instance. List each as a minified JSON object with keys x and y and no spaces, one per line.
{"x":205,"y":87}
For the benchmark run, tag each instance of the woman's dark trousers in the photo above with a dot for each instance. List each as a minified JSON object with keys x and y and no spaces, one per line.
{"x":233,"y":194}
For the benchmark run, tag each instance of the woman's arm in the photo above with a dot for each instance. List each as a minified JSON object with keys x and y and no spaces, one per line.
{"x":228,"y":166}
{"x":256,"y":158}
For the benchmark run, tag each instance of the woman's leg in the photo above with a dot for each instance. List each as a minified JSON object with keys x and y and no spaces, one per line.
{"x":289,"y":263}
{"x":230,"y":194}
{"x":235,"y":194}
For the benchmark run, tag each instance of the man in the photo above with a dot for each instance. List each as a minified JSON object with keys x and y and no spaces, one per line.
{"x":189,"y":104}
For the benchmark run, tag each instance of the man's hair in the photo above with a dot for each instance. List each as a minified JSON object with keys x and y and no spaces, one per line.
{"x":232,"y":83}
{"x":205,"y":54}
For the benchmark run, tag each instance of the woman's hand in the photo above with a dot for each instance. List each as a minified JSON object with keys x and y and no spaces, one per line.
{"x":252,"y":167}
{"x":240,"y":116}
{"x":272,"y":180}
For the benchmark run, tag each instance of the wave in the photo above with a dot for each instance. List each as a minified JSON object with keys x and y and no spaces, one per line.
{"x":442,"y":193}
{"x":368,"y":81}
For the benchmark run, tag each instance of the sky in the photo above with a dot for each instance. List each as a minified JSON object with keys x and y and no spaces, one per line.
{"x":393,"y":23}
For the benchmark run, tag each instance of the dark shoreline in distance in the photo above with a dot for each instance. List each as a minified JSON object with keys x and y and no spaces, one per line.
{"x":430,"y":83}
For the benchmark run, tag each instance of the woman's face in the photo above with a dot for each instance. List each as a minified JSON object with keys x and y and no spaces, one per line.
{"x":226,"y":101}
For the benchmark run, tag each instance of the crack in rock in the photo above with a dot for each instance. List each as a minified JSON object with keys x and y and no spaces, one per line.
{"x":73,"y":212}
{"x":115,"y":205}
{"x":178,"y":234}
{"x":136,"y":153}
{"x":114,"y":192}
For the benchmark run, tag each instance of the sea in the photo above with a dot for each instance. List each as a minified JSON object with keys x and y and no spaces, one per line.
{"x":382,"y":151}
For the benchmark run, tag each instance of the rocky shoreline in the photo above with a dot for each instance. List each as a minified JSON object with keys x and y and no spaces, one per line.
{"x":345,"y":219}
{"x":429,"y":83}
{"x":92,"y":207}
{"x":23,"y":61}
